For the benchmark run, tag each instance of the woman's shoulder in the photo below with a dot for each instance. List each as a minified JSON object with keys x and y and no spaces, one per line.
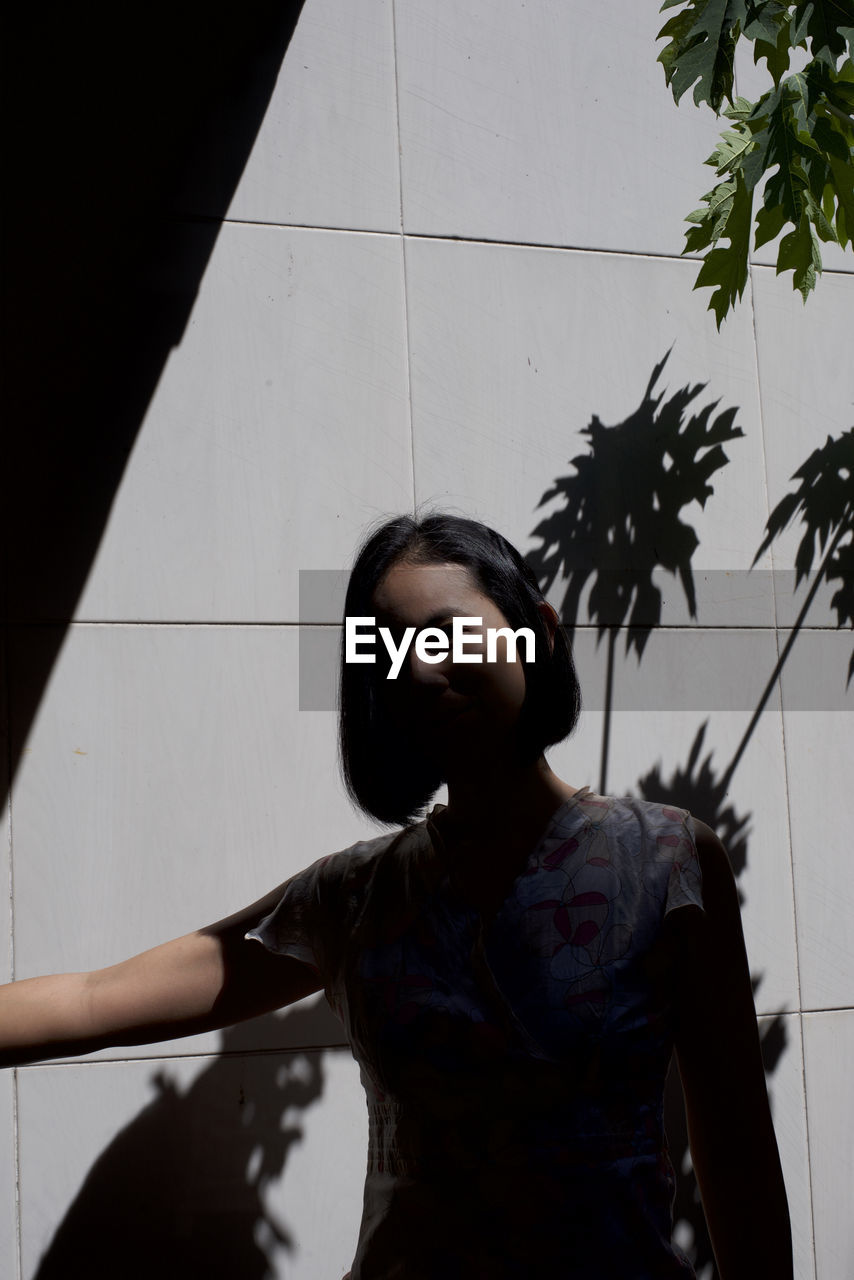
{"x":360,"y":862}
{"x":638,"y":819}
{"x":647,"y":811}
{"x":319,"y":906}
{"x":652,"y":844}
{"x":671,"y":826}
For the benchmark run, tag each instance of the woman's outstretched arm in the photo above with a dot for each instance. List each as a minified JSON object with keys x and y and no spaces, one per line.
{"x":733,"y":1147}
{"x":199,"y":982}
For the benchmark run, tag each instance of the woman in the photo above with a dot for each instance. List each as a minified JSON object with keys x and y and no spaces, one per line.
{"x":513,"y":971}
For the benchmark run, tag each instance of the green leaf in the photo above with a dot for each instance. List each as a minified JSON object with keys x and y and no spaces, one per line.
{"x":678,"y":28}
{"x":797,"y":139}
{"x":843,"y":80}
{"x":725,"y":267}
{"x":711,"y":221}
{"x":785,"y":150}
{"x":730,"y":150}
{"x":776,"y":56}
{"x":756,"y":162}
{"x":828,"y":133}
{"x":700,"y":52}
{"x":802,"y":94}
{"x":763,"y":19}
{"x":828,"y":202}
{"x":843,"y":175}
{"x":798,"y":28}
{"x":799,"y":252}
{"x":818,"y":219}
{"x":819,"y":20}
{"x":773,"y":42}
{"x":817,"y":172}
{"x":741,"y":110}
{"x":769,"y":224}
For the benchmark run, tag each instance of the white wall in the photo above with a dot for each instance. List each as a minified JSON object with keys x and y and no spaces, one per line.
{"x":457,"y":239}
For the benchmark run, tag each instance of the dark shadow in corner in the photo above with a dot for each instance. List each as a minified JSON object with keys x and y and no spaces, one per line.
{"x":180,"y":1191}
{"x":117,"y":175}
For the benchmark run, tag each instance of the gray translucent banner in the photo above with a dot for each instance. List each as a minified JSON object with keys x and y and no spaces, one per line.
{"x":711,"y":663}
{"x":722,"y":597}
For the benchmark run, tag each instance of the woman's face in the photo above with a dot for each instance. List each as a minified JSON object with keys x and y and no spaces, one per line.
{"x":457,"y":708}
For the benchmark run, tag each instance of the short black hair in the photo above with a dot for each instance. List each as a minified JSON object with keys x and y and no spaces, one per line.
{"x":387,"y":774}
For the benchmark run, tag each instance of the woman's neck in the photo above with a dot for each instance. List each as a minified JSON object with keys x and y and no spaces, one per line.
{"x":512,"y":799}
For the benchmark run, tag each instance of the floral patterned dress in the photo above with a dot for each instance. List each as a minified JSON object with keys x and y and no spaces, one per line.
{"x":514,"y":1073}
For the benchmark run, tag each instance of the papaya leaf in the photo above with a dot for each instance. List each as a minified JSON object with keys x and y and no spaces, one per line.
{"x":725,"y":271}
{"x":756,"y":161}
{"x":769,"y":224}
{"x":797,"y":138}
{"x":741,"y":110}
{"x":819,"y":21}
{"x":799,"y":24}
{"x":763,"y":20}
{"x":828,"y":134}
{"x":844,"y":177}
{"x":775,"y":48}
{"x":711,"y":222}
{"x":700,"y":52}
{"x":802,"y":93}
{"x":725,"y":267}
{"x":731,"y":149}
{"x":823,"y":226}
{"x":785,"y":149}
{"x":799,"y":252}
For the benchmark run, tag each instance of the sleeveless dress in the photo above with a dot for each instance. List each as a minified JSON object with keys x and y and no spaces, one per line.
{"x":514,"y":1073}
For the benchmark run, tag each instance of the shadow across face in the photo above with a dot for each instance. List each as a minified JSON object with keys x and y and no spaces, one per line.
{"x":454,"y":677}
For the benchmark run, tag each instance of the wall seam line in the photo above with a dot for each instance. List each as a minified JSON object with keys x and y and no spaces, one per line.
{"x":452,"y":238}
{"x":406,"y":342}
{"x":783,"y":744}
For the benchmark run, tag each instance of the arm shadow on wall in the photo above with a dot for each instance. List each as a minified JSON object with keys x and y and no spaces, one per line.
{"x":619,"y":524}
{"x":127,"y":132}
{"x":184,"y":1189}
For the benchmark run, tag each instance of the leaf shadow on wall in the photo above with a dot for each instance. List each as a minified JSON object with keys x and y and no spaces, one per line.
{"x":620,"y":523}
{"x":181,"y":1191}
{"x":131,"y":130}
{"x":621,"y":518}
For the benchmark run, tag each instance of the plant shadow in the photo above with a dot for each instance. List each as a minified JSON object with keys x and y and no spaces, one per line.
{"x":183,"y":1190}
{"x":619,"y":523}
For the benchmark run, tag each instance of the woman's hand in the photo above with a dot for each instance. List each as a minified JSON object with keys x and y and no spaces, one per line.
{"x":199,"y":982}
{"x":733,"y":1147}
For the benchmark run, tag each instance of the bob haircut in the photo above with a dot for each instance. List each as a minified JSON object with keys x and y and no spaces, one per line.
{"x":385,"y":771}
